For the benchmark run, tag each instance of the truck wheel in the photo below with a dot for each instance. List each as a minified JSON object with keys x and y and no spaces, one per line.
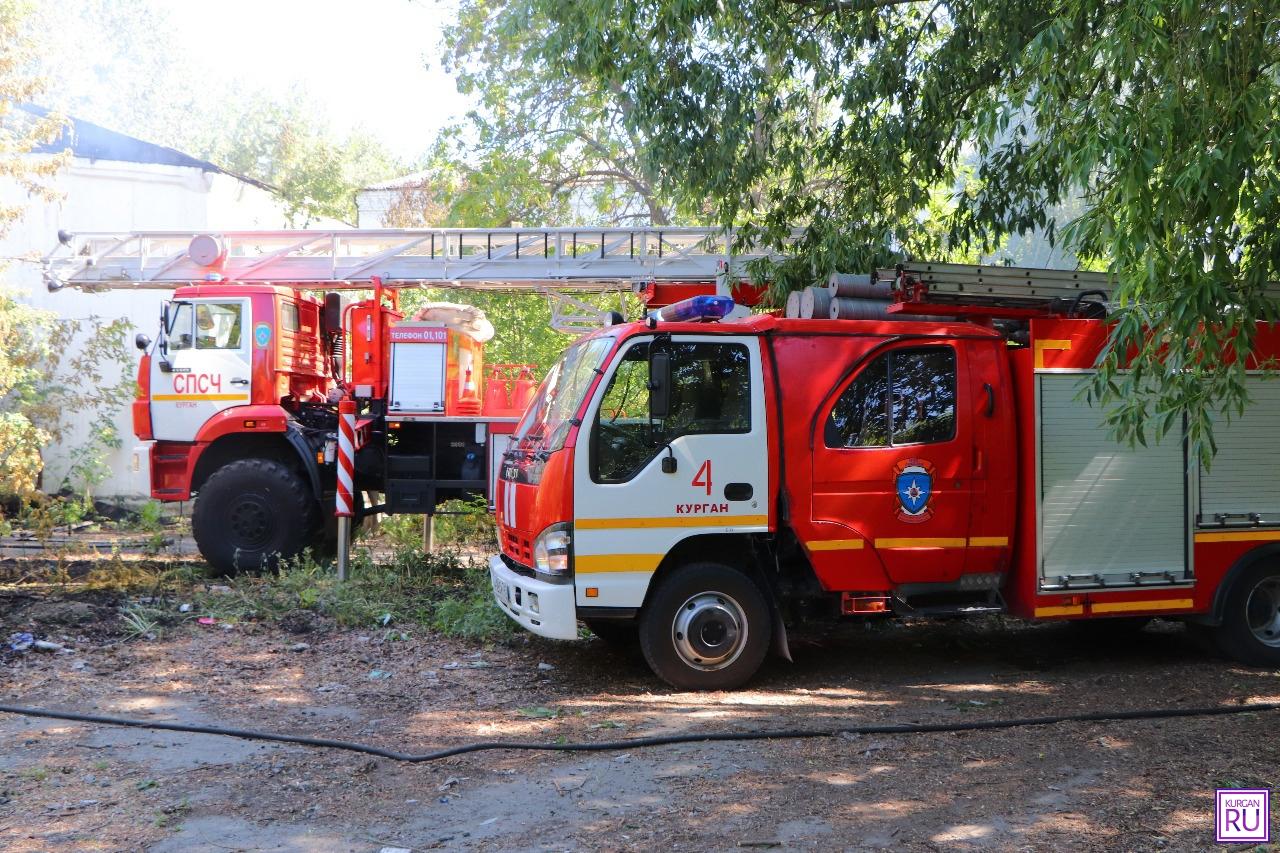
{"x":1250,"y":629}
{"x":250,"y":513}
{"x":613,"y":632}
{"x":707,"y":627}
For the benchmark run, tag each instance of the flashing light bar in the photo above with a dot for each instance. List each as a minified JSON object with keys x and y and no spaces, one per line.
{"x":695,"y":308}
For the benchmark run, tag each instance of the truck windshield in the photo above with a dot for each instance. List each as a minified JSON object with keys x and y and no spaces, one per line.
{"x":546,"y":424}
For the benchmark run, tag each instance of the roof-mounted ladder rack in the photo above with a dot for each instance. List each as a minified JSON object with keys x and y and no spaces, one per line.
{"x":998,"y":291}
{"x":994,"y":291}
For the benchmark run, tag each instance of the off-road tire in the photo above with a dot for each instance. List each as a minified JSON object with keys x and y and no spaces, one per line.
{"x":1234,"y":637}
{"x":615,"y":633}
{"x":251,"y":513}
{"x":678,"y":591}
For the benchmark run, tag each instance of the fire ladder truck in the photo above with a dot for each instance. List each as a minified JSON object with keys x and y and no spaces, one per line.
{"x":261,"y":346}
{"x":916,"y":445}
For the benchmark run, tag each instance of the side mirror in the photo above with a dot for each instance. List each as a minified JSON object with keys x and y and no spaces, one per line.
{"x":141,"y":341}
{"x":659,"y":385}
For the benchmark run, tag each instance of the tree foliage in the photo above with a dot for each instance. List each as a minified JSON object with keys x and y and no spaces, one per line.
{"x":846,"y":116}
{"x":544,"y":144}
{"x":135,"y":82}
{"x":19,"y":131}
{"x":43,"y":392}
{"x":279,"y":142}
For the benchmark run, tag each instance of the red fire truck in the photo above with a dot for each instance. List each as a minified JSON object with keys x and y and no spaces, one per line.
{"x":238,"y":392}
{"x":700,"y":483}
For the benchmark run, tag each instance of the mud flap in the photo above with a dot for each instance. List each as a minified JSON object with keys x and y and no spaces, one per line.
{"x":780,"y":647}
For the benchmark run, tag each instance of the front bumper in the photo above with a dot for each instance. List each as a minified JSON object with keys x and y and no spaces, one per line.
{"x":546,"y":609}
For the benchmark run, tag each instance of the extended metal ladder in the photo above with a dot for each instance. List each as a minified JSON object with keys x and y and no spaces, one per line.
{"x":566,"y":259}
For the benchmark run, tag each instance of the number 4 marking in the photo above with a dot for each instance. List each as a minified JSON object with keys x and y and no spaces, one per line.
{"x":703,"y":477}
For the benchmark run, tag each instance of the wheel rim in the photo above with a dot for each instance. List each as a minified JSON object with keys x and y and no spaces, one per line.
{"x":1263,"y":612}
{"x":250,"y":521}
{"x":709,"y":631}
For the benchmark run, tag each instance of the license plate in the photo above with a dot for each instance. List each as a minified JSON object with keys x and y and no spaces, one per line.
{"x":503,"y":591}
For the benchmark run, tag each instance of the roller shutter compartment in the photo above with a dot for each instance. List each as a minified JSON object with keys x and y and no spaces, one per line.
{"x":1110,"y":515}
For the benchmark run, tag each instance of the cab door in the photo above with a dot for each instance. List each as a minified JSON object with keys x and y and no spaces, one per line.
{"x":640,"y":487}
{"x":203,"y":365}
{"x":893,"y":459}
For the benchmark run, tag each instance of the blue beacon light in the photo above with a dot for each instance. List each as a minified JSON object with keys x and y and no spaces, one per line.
{"x":695,"y":308}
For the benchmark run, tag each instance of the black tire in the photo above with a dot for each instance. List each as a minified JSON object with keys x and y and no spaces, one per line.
{"x":719,"y":604}
{"x":614,"y":632}
{"x":251,"y":513}
{"x":1250,"y":629}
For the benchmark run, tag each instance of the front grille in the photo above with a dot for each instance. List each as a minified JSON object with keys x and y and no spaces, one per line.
{"x":516,"y":567}
{"x":517,"y":546}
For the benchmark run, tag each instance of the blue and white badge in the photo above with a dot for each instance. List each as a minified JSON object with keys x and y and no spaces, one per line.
{"x":913,"y":483}
{"x":262,"y":335}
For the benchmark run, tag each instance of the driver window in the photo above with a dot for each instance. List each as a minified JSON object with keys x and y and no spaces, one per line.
{"x":622,"y":432}
{"x":711,"y":393}
{"x":179,"y":334}
{"x":218,"y":325}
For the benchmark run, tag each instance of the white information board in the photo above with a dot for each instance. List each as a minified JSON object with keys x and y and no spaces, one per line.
{"x":417,"y":377}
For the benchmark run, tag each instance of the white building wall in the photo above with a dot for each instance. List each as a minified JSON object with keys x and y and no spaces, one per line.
{"x":373,"y":205}
{"x":115,"y":196}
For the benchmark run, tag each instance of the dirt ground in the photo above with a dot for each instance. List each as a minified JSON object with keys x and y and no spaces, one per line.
{"x":1141,"y":785}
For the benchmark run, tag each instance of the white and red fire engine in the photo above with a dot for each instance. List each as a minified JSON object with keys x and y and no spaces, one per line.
{"x":239,"y":392}
{"x":702,"y":482}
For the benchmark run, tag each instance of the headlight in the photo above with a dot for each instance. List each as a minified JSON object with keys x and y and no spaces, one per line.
{"x":553,"y":551}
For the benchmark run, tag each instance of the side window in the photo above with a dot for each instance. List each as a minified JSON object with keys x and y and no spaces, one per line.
{"x":178,"y":335}
{"x":860,"y":417}
{"x":289,"y":317}
{"x":710,"y":390}
{"x":905,"y":396}
{"x":623,"y":440}
{"x":711,"y":393}
{"x":923,"y":383}
{"x":218,"y":325}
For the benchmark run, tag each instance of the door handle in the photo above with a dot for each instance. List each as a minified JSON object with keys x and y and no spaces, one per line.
{"x":239,"y":381}
{"x":991,"y":398}
{"x":738,"y":492}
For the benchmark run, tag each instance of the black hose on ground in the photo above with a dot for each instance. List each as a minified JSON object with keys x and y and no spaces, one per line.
{"x":661,"y":740}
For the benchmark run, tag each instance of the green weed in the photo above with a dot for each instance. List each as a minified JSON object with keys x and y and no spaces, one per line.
{"x":141,"y":621}
{"x":445,"y":591}
{"x":149,"y":516}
